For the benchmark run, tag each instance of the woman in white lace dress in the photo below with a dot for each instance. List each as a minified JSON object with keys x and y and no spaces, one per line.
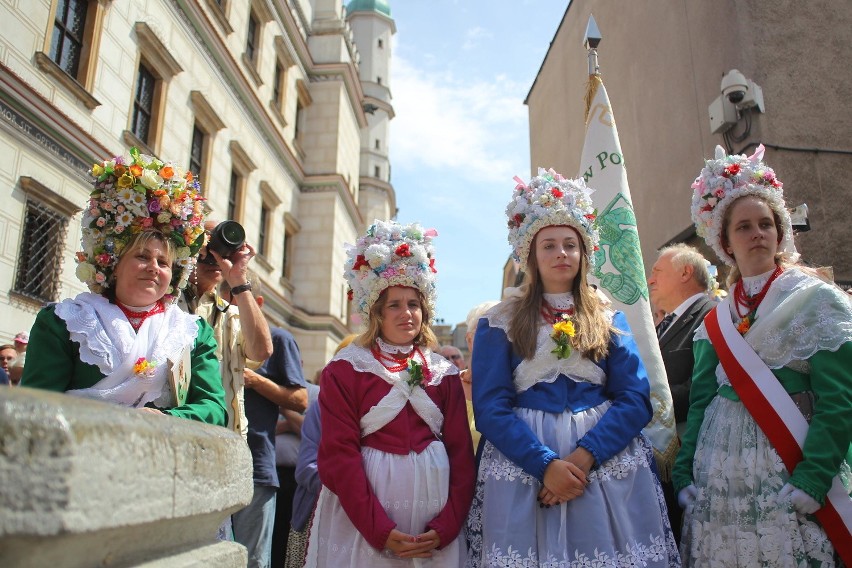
{"x":395,"y":457}
{"x":770,"y":418}
{"x":126,"y":341}
{"x":561,"y":395}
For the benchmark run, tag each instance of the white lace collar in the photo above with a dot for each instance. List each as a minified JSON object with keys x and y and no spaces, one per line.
{"x":753,"y":284}
{"x":799,"y":316}
{"x":392,"y":349}
{"x":363,"y":360}
{"x":562,"y":301}
{"x":544,"y":367}
{"x":107,"y":340}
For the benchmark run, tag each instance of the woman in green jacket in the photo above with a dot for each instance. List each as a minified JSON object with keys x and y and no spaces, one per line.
{"x":126,"y":341}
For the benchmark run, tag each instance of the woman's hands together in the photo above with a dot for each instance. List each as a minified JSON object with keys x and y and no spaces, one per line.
{"x":566,"y":479}
{"x":410,"y":546}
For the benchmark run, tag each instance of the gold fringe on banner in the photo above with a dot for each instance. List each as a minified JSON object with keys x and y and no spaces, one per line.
{"x":591,"y":91}
{"x":665,"y":460}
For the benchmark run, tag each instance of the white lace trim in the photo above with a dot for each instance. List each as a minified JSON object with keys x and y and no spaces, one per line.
{"x":362,"y":360}
{"x":562,"y":302}
{"x":392,"y":349}
{"x":108,"y":341}
{"x":753,"y":284}
{"x":799,"y":316}
{"x":544,"y":367}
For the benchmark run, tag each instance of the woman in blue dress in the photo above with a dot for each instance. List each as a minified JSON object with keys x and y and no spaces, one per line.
{"x":565,"y":478}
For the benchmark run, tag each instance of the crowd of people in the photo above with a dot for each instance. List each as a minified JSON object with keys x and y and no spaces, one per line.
{"x":525,"y":451}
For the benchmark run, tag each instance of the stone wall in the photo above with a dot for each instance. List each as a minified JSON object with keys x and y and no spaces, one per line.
{"x":90,"y":484}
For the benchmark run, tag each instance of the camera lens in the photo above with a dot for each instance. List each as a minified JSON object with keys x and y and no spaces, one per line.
{"x":227,"y":238}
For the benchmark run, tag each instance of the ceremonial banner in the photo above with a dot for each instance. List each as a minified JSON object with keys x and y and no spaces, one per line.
{"x":619,"y":268}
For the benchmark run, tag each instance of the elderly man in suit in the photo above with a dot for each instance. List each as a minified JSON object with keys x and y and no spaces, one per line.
{"x":679,"y":285}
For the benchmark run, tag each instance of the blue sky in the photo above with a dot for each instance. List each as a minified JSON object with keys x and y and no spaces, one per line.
{"x":461,"y":71}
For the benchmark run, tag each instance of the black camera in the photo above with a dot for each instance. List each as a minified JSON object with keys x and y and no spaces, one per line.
{"x":227,"y":238}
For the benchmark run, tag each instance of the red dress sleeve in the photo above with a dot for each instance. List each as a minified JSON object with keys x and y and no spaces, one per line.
{"x":339,"y":457}
{"x":449,"y":397}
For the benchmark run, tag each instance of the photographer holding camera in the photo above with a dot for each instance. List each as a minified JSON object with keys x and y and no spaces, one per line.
{"x":239,"y":326}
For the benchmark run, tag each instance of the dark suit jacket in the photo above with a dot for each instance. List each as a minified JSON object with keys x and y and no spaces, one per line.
{"x":676,"y":348}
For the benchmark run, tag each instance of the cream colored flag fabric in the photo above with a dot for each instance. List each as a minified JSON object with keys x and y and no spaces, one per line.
{"x":619,"y":269}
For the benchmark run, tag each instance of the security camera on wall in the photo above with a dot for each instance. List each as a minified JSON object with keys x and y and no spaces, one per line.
{"x":739,"y":93}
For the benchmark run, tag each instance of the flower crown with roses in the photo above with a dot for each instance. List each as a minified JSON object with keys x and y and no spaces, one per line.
{"x":391,"y":254}
{"x":550,"y":199}
{"x":725,"y":179}
{"x":135,"y":194}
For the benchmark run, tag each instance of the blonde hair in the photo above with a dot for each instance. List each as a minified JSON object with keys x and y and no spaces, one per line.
{"x":426,"y":337}
{"x":593,"y":329}
{"x":476,"y":313}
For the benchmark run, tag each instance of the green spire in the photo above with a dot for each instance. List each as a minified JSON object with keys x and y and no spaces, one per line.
{"x":380,"y":6}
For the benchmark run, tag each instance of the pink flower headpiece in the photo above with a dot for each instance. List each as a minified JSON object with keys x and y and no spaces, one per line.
{"x":725,"y":179}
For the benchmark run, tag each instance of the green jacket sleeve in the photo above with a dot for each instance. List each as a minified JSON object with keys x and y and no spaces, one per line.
{"x":830,"y":429}
{"x":52,"y":357}
{"x":704,"y":387}
{"x":205,"y":400}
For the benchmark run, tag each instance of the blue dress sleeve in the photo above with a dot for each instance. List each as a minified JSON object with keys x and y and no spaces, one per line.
{"x":628,"y":388}
{"x":494,"y":399}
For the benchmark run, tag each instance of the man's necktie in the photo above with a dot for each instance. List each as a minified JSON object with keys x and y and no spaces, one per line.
{"x":664,"y":325}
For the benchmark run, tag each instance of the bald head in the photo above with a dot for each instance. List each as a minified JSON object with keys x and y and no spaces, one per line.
{"x":453,"y":354}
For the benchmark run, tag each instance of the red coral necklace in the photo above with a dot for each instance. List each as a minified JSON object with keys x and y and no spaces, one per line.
{"x":136,"y":319}
{"x":751,"y":303}
{"x":552,"y":315}
{"x":392,"y":363}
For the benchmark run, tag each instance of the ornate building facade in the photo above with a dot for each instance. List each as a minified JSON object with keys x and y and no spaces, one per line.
{"x":281,"y":107}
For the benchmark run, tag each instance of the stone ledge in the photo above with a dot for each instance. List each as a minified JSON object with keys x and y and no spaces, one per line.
{"x":89,"y":483}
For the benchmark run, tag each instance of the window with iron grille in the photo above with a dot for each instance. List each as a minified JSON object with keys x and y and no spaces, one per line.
{"x":143,"y":103}
{"x":251,"y":37}
{"x":66,"y":42}
{"x":196,"y":151}
{"x":40,"y":258}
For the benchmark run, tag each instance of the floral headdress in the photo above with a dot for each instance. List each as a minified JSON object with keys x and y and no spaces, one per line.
{"x":725,"y":179}
{"x":132,"y":195}
{"x":550,"y":199}
{"x":391,"y":254}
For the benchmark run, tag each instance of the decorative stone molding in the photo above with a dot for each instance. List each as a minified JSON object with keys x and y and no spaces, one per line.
{"x":87,"y":483}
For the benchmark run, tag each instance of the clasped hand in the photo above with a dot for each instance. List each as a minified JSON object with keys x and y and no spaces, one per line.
{"x":566,"y":479}
{"x":412,"y":546}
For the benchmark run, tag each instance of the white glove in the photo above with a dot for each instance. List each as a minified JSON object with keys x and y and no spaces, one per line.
{"x":687,"y":496}
{"x":801,"y":501}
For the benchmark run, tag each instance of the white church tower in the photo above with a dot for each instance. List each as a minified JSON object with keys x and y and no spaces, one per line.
{"x":372,"y":28}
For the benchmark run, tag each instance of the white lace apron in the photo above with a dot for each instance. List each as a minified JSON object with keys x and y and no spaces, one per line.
{"x":108,"y":341}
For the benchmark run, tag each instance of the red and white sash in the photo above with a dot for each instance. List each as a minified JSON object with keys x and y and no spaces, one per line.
{"x":778,"y":417}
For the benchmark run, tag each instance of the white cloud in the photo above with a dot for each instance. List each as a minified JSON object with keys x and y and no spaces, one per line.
{"x":475,"y":128}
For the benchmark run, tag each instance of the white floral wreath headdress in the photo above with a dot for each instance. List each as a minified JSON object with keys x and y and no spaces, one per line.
{"x":391,"y":254}
{"x":725,"y":179}
{"x":135,"y":194}
{"x":550,"y":199}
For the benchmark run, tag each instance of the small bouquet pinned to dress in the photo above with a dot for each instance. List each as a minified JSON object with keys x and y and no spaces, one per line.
{"x":563,"y":333}
{"x":144,"y":369}
{"x":747,"y":321}
{"x":416,"y":373}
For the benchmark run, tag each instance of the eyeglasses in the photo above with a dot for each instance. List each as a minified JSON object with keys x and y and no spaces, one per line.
{"x":454,"y":357}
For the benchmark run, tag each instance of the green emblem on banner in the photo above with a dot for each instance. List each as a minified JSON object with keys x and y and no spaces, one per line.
{"x":620,"y":241}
